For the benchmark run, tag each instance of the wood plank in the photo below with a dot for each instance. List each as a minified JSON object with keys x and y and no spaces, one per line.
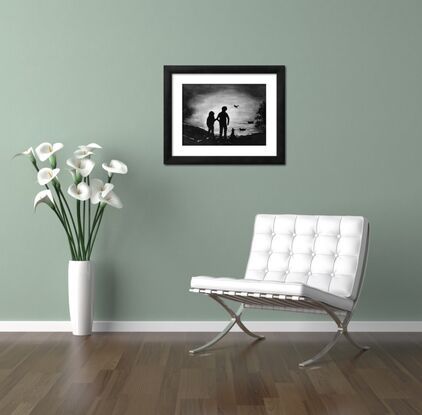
{"x":153,"y":373}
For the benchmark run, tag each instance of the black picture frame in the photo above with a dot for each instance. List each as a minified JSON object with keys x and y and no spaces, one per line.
{"x":279,"y":158}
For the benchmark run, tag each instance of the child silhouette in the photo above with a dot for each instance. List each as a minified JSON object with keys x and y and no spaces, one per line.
{"x":224,"y":120}
{"x":210,"y":123}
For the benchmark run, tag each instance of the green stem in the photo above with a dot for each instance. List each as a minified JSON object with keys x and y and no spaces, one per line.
{"x":72,"y":249}
{"x":61,"y":199}
{"x":94,"y":222}
{"x":96,"y":232}
{"x":70,"y":212}
{"x":80,"y":237}
{"x":89,"y":209}
{"x":83,"y":222}
{"x":64,"y":216}
{"x":84,"y":219}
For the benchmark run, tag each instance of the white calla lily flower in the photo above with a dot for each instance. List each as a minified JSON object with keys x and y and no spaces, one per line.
{"x":111,"y":199}
{"x":90,"y":146}
{"x":44,"y":196}
{"x":28,"y":152}
{"x":86,"y":151}
{"x":83,"y":166}
{"x":80,"y":191}
{"x":46,"y":150}
{"x":99,"y":188}
{"x":82,"y":153}
{"x":46,"y":175}
{"x":84,"y":189}
{"x":115,"y":166}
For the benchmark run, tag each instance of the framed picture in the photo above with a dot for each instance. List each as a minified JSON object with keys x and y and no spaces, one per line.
{"x":224,"y":115}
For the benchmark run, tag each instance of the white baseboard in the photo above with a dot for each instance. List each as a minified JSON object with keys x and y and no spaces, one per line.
{"x":211,"y":326}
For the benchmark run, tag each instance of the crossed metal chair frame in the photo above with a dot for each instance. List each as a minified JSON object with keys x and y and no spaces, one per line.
{"x":278,"y":302}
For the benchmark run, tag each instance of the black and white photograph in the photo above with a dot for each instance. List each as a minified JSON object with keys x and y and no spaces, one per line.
{"x":224,"y":115}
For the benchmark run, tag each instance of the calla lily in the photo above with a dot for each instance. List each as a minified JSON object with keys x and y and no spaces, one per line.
{"x":90,"y":146}
{"x":46,"y":150}
{"x":28,"y":152}
{"x":80,"y":191}
{"x":81,"y":238}
{"x":99,"y":188}
{"x":111,"y":199}
{"x":82,"y":166}
{"x":82,"y":153}
{"x":86,"y":151}
{"x":46,"y":175}
{"x":115,"y":166}
{"x":44,"y":196}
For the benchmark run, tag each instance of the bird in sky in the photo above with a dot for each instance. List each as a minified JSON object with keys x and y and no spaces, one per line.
{"x":236,"y":106}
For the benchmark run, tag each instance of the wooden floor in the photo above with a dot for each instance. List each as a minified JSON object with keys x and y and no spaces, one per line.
{"x":152,"y":373}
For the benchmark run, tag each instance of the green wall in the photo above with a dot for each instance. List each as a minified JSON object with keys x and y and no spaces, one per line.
{"x":82,"y":71}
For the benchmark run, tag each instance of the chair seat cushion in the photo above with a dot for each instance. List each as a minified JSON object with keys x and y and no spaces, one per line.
{"x":271,"y":287}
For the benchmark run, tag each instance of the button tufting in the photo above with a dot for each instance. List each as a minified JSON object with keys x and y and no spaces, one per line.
{"x":331,"y":246}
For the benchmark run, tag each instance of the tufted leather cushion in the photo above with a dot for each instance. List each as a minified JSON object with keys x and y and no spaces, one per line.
{"x":323,"y":252}
{"x":320,"y":257}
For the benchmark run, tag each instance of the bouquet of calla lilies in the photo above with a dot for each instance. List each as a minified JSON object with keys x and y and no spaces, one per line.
{"x":81,"y":225}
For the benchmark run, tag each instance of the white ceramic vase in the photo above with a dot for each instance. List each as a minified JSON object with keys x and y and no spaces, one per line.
{"x":81,"y":296}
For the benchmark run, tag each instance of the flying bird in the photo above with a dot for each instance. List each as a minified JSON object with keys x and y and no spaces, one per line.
{"x":236,"y":106}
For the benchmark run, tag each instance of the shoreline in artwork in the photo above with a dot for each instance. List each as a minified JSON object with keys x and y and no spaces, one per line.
{"x":194,"y":136}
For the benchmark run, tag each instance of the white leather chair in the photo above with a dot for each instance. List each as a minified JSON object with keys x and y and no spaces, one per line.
{"x":297,"y":263}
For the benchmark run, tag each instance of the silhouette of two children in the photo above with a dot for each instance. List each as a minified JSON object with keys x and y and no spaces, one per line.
{"x":223,"y":119}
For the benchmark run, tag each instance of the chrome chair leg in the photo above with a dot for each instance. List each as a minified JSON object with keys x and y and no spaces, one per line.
{"x":341,"y":329}
{"x":234,"y":320}
{"x":346,"y":333}
{"x":323,"y":352}
{"x":352,"y":341}
{"x":216,"y":338}
{"x":247,"y":331}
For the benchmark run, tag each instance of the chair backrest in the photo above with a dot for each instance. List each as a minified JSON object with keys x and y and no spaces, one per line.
{"x":324,"y":252}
